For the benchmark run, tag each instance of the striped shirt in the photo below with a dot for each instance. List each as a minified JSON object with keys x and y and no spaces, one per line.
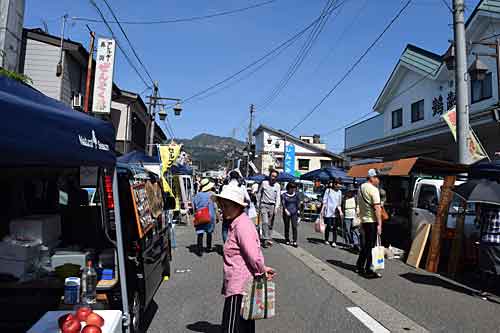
{"x":490,"y":224}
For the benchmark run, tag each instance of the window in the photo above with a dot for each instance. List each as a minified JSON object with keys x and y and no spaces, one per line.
{"x":481,"y":89}
{"x":306,"y":140}
{"x":397,"y":118}
{"x":326,"y":164}
{"x":427,"y":198}
{"x":417,"y":111}
{"x":303,"y":164}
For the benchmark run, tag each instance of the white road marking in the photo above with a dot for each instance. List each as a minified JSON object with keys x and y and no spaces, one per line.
{"x":368,"y":321}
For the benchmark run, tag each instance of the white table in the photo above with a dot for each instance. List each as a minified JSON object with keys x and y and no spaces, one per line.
{"x":48,"y":323}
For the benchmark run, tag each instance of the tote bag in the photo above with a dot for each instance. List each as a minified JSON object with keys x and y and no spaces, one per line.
{"x":378,"y":260}
{"x":319,"y":225}
{"x":202,"y":216}
{"x":260,"y":300}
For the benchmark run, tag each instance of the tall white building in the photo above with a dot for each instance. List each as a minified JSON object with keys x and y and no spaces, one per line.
{"x":11,"y":31}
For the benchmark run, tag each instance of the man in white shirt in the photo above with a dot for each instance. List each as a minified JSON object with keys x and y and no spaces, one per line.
{"x":268,"y":199}
{"x":332,"y":204}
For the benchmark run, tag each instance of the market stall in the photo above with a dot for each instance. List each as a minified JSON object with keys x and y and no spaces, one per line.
{"x":49,"y":227}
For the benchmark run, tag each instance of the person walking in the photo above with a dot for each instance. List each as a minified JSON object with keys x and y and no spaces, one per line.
{"x":350,"y":214}
{"x":243,"y":260}
{"x":370,"y":213}
{"x":489,"y":247}
{"x":236,"y":180}
{"x":291,"y":205}
{"x":332,"y":205}
{"x":203,"y":200}
{"x":269,"y":197}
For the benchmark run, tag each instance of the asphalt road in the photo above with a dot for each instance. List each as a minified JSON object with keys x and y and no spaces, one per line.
{"x":311,"y":299}
{"x":191,"y":301}
{"x":436,"y":303}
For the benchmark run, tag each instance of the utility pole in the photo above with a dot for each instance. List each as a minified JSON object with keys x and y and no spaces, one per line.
{"x":250,"y":139}
{"x":461,"y":80}
{"x":152,"y":112}
{"x":89,"y":72}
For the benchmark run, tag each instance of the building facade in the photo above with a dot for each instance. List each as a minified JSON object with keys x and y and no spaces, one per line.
{"x":420,"y":89}
{"x":11,"y":29}
{"x":310,"y":153}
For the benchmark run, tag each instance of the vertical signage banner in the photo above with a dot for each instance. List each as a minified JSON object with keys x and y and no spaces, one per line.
{"x":475,"y":150}
{"x":168,"y":155}
{"x":103,"y":79}
{"x":290,"y":159}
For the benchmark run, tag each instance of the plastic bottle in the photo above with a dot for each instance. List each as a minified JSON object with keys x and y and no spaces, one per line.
{"x":89,"y":284}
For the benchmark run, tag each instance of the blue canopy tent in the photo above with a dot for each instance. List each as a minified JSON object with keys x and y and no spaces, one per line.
{"x":257,"y":178}
{"x":326,"y":174}
{"x":138,"y":157}
{"x":286,"y":177}
{"x":177,"y":169}
{"x":38,"y":131}
{"x":485,"y":169}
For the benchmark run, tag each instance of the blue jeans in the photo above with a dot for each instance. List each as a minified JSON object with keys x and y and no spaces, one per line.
{"x":351,"y":233}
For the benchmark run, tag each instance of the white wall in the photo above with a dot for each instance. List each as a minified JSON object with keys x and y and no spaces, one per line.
{"x":11,"y":29}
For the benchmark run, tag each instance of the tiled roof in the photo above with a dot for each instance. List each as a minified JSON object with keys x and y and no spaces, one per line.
{"x":490,"y":5}
{"x":421,"y":59}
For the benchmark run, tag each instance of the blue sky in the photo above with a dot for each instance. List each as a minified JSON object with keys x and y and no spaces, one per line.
{"x":188,"y":57}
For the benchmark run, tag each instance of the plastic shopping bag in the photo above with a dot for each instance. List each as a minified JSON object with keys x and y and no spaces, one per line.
{"x":252,"y":211}
{"x":260,"y":300}
{"x":319,"y":225}
{"x":378,"y":260}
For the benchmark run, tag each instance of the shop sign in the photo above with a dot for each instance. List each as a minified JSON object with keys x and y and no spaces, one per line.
{"x":290,"y":159}
{"x":92,"y":142}
{"x":103,"y":79}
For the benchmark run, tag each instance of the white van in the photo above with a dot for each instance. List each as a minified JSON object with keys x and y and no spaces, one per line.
{"x":426,"y":196}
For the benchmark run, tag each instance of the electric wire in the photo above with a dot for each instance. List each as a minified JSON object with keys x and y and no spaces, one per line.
{"x":302,"y":54}
{"x":128,"y":41}
{"x":119,"y":45}
{"x":270,"y":53}
{"x":351,"y":69}
{"x":179,"y":20}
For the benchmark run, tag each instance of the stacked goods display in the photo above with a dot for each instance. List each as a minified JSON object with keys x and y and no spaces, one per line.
{"x":84,"y":318}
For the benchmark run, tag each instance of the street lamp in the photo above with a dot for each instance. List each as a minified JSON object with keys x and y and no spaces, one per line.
{"x":177,"y":108}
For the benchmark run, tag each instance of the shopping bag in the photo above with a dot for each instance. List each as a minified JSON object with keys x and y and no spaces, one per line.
{"x":378,"y":252}
{"x":259,"y":302}
{"x":202,"y":216}
{"x":252,"y":212}
{"x":319,"y":225}
{"x":356,"y":222}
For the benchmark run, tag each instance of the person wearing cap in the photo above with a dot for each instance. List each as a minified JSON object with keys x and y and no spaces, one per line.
{"x":370,"y":213}
{"x":350,"y":213}
{"x":332,"y":205}
{"x":202,"y":200}
{"x":243,"y":259}
{"x":269,"y":197}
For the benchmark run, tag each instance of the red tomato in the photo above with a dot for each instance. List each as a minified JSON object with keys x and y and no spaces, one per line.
{"x":71,"y":326}
{"x":64,"y":318}
{"x":91,"y":329}
{"x":82,"y":313}
{"x":95,"y":319}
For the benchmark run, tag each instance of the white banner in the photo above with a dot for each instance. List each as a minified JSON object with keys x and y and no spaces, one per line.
{"x":103,"y":79}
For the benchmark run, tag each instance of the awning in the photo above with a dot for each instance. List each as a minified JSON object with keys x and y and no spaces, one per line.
{"x":138,"y":157}
{"x":36,"y":130}
{"x":409,"y":166}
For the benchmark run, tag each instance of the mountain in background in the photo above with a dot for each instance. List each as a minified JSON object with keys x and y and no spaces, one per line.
{"x":211,"y":150}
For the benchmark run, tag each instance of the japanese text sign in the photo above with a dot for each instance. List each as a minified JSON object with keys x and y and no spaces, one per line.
{"x":103,"y":80}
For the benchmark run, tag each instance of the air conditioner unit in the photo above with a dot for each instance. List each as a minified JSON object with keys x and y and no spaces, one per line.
{"x":77,"y":100}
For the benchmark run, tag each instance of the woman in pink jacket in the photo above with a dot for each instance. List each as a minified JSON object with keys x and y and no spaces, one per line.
{"x":243,"y":259}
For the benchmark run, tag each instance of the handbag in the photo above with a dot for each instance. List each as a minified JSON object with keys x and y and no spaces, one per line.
{"x":259,"y":302}
{"x":378,"y":256}
{"x":202,"y":216}
{"x":319,"y":225}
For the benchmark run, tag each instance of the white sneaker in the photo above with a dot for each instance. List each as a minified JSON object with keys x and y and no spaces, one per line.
{"x":327,"y":243}
{"x":334,"y":245}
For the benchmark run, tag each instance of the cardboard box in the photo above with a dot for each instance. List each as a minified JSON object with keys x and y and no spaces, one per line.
{"x":45,"y":228}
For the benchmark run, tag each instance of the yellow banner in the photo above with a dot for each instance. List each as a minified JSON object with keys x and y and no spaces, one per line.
{"x":168,"y":154}
{"x":474,"y":147}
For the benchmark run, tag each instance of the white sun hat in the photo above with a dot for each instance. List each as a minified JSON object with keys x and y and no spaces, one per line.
{"x":231,"y":193}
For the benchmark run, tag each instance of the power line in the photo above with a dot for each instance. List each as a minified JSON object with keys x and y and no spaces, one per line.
{"x":128,"y":41}
{"x":303,"y":52}
{"x":118,"y":44}
{"x":447,"y":5}
{"x":179,"y":20}
{"x":272,"y":52}
{"x":351,"y":69}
